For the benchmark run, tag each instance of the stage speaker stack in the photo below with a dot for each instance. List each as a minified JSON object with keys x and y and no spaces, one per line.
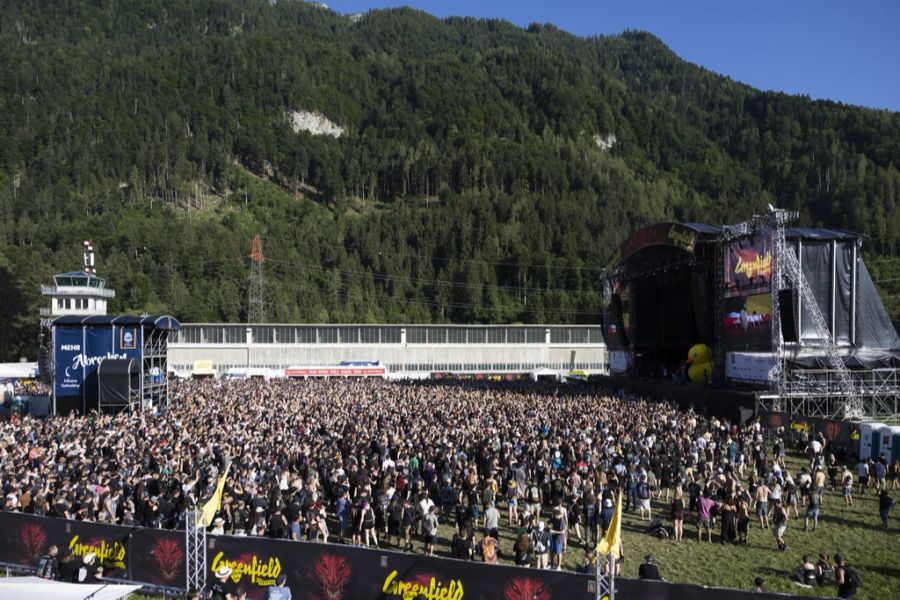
{"x":787,"y":314}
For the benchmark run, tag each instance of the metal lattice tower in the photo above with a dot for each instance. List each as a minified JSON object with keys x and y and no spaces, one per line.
{"x":256,"y":304}
{"x":195,"y":549}
{"x":787,"y":266}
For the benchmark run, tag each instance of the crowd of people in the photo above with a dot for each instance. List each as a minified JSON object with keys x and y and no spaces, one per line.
{"x":378,"y":463}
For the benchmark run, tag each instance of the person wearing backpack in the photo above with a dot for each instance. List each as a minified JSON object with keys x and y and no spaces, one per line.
{"x":535,"y":500}
{"x":541,"y":544}
{"x":643,"y":494}
{"x":846,"y":578}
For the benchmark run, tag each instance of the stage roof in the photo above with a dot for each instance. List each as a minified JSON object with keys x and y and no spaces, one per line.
{"x":805,"y":233}
{"x":155,"y":321}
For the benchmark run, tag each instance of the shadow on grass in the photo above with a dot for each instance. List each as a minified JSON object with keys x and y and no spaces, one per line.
{"x":852,"y":523}
{"x":774,"y":572}
{"x":886,"y":571}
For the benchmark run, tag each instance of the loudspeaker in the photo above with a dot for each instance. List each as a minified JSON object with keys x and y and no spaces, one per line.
{"x":619,"y":319}
{"x":786,"y":313}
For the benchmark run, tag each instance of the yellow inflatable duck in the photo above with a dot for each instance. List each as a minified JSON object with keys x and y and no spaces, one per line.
{"x":700,"y":361}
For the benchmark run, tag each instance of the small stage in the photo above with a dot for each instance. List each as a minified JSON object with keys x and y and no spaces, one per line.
{"x":738,"y":406}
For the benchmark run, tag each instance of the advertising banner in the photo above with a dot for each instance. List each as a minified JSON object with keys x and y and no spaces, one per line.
{"x":753,"y":367}
{"x":314,"y":571}
{"x":69,"y":368}
{"x":748,"y":265}
{"x":748,"y":323}
{"x":149,"y":556}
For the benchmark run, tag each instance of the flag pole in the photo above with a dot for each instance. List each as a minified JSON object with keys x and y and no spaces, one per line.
{"x":612,"y":576}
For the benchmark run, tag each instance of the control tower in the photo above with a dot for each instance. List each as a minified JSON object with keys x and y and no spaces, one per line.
{"x":77,"y":292}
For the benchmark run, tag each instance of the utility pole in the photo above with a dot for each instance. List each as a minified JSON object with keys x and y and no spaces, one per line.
{"x":256,"y":306}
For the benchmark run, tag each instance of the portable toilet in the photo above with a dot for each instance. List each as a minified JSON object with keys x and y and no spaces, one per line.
{"x":869,"y":439}
{"x":890,"y":443}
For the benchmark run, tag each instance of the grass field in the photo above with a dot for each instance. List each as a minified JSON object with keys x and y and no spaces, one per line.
{"x":854,"y":531}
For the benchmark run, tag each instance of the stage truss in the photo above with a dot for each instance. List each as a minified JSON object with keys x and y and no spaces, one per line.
{"x":834,"y":393}
{"x":155,"y":384}
{"x":816,"y":393}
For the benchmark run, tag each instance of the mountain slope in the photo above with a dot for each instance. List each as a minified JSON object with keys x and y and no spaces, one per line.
{"x":485,"y":172}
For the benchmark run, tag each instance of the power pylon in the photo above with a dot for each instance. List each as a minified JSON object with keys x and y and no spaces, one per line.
{"x":256,"y":305}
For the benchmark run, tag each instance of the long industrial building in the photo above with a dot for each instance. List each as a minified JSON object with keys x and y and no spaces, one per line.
{"x":413,"y":350}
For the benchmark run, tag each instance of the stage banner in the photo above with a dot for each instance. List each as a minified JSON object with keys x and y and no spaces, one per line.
{"x":147,"y":556}
{"x":748,"y":265}
{"x":127,"y":341}
{"x":754,"y":367}
{"x":68,"y":355}
{"x":748,"y":323}
{"x":658,"y":234}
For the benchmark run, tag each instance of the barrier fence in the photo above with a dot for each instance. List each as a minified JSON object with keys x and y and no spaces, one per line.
{"x":317,"y":571}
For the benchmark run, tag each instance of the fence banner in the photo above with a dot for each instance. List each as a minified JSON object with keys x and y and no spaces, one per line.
{"x":316,"y":571}
{"x":148,"y":556}
{"x":843,"y":434}
{"x":337,"y":572}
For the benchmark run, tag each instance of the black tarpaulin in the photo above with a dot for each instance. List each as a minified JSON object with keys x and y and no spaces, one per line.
{"x":815,"y":259}
{"x":874,"y":327}
{"x":117,"y":380}
{"x":843,"y":293}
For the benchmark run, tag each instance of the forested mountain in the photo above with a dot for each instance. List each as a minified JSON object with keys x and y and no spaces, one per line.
{"x":484,"y":173}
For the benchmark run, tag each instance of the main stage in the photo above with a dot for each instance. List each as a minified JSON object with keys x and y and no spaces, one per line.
{"x":790,"y":314}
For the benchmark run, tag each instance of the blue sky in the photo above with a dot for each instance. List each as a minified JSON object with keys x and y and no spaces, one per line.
{"x":847,"y":51}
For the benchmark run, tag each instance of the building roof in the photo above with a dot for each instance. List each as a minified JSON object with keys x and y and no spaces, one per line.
{"x":151,"y":321}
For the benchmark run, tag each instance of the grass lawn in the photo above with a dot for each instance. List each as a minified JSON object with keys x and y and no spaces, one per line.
{"x":854,"y":531}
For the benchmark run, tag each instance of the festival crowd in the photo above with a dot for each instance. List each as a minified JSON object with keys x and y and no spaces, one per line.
{"x":377,"y":463}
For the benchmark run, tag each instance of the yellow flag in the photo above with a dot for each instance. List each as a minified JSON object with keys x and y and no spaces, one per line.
{"x":611,"y":541}
{"x":213,"y":504}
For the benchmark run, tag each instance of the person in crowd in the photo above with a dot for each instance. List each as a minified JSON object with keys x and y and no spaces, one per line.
{"x":759,"y":586}
{"x":728,"y":512}
{"x":48,"y":565}
{"x":430,"y":531}
{"x":279,"y":591}
{"x":780,"y":521}
{"x":588,"y":563}
{"x":558,"y":534}
{"x":522,"y":549}
{"x":862,"y":473}
{"x":879,"y":469}
{"x":847,"y":483}
{"x":489,"y":548}
{"x":762,"y":504}
{"x":492,"y":520}
{"x":221,"y":587}
{"x":541,"y":541}
{"x":705,"y":507}
{"x":678,"y":514}
{"x":648,"y":569}
{"x":845,"y":578}
{"x":824,"y":570}
{"x":90,"y":571}
{"x":885,"y":504}
{"x":806,"y":573}
{"x":812,"y":511}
